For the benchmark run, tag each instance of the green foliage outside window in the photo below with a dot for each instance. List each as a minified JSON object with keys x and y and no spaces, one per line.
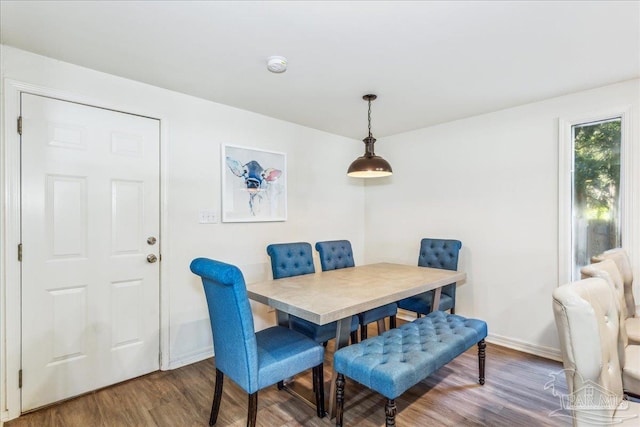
{"x":597,"y":169}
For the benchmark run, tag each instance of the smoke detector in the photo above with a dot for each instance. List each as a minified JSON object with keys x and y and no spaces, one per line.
{"x":277,"y":64}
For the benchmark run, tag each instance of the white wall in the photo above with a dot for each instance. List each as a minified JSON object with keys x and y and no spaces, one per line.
{"x":490,"y":181}
{"x":322,"y":202}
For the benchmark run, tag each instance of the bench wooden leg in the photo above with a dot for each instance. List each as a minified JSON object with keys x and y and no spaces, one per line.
{"x":390,"y":411}
{"x":481,"y":358}
{"x":339,"y":399}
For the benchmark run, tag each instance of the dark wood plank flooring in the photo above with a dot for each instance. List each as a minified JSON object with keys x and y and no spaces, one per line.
{"x":514,"y":395}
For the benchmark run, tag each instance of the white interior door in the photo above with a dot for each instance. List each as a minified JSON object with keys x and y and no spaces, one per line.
{"x":90,"y":202}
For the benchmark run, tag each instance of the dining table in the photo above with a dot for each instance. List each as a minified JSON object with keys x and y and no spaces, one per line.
{"x":337,"y":295}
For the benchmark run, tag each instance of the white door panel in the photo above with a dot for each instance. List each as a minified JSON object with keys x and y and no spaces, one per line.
{"x":90,"y":200}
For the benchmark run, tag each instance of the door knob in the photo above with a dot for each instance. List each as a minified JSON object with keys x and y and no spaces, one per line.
{"x":151,"y":258}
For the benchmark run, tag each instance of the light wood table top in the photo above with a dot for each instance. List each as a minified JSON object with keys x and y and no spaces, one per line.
{"x":328,"y":296}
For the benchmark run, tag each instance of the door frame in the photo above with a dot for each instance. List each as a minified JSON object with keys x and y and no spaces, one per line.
{"x":10,"y":230}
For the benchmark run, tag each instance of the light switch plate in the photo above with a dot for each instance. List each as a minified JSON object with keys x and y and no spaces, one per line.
{"x":208,"y":216}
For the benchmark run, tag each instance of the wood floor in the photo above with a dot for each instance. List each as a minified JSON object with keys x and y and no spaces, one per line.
{"x":514,"y":395}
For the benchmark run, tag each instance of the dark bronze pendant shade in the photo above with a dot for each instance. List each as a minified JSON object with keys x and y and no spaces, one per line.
{"x":369,"y":165}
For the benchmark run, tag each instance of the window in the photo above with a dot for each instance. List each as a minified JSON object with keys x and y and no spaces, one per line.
{"x":595,"y":188}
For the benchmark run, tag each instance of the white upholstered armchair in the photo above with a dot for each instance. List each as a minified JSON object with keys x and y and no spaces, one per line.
{"x":587,"y":318}
{"x":629,"y":350}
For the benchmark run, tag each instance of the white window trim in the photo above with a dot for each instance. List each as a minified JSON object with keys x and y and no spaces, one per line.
{"x":628,"y":178}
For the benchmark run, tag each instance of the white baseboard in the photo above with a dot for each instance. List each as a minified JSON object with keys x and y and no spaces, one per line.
{"x":189,"y":358}
{"x":406,"y":315}
{"x":536,"y":350}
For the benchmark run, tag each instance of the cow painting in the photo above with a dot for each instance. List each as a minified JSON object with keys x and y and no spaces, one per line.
{"x":256,"y":179}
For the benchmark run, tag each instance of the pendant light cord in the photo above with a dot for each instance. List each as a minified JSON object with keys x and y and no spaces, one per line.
{"x":369,"y":116}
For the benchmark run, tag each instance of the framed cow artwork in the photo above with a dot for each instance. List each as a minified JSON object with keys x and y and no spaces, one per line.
{"x":254,"y":185}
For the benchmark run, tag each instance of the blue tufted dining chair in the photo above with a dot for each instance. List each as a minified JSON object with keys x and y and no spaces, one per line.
{"x":252,"y":360}
{"x":295,"y":259}
{"x":435,"y":253}
{"x":335,"y":254}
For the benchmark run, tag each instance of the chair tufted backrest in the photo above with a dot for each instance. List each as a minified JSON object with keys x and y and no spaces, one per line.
{"x":621,"y":258}
{"x":608,"y":271}
{"x":440,"y":253}
{"x":234,"y":340}
{"x":335,"y":254}
{"x":586,"y":315}
{"x":290,"y":259}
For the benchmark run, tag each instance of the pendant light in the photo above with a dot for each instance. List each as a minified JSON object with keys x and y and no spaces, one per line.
{"x":369,"y":165}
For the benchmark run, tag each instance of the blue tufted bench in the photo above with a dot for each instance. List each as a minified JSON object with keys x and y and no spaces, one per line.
{"x":400,"y":358}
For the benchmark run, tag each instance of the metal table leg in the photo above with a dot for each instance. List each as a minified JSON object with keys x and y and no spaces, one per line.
{"x":435,"y":303}
{"x":282,"y":318}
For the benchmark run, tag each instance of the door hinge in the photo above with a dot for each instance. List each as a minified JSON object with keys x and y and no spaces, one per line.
{"x":19,"y":251}
{"x":20,"y":378}
{"x":20,"y":125}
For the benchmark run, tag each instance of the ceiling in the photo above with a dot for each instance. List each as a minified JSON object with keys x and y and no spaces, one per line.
{"x":428,"y":62}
